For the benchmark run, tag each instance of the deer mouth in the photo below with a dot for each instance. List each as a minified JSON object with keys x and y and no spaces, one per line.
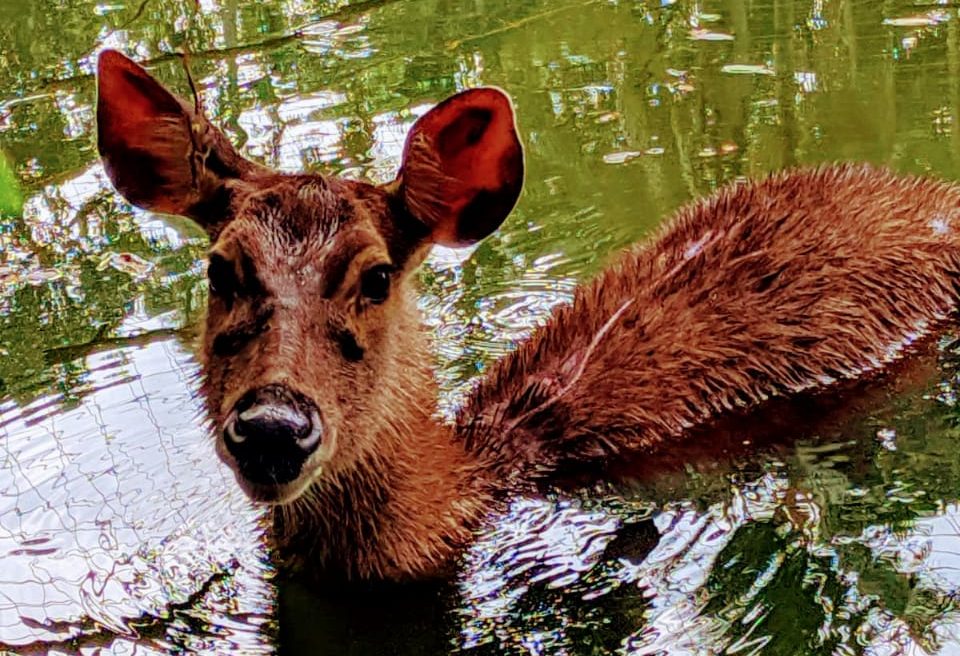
{"x":273,"y":494}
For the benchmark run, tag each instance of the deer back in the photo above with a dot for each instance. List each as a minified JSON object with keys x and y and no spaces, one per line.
{"x":792,"y":284}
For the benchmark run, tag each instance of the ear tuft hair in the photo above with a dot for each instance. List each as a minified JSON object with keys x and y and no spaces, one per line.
{"x":160,"y":154}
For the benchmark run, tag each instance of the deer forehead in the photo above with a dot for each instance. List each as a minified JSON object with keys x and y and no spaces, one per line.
{"x":300,"y":221}
{"x":292,"y":239}
{"x":294,"y":211}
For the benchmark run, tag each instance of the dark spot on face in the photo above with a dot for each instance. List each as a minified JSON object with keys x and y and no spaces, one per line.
{"x":228,"y":285}
{"x":231,"y":341}
{"x":336,"y":269}
{"x":252,"y":286}
{"x":349,"y":347}
{"x":222,"y":278}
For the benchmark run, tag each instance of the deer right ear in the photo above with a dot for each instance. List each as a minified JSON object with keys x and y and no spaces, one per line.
{"x":160,"y":154}
{"x":462,"y":167}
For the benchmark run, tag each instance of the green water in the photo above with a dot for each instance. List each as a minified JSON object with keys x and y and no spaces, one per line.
{"x":118,"y":528}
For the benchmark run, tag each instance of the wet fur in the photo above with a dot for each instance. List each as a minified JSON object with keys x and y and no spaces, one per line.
{"x":792,"y":284}
{"x":786,"y":288}
{"x":789,"y":287}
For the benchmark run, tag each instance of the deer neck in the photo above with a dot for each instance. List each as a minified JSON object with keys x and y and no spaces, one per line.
{"x":401,"y":509}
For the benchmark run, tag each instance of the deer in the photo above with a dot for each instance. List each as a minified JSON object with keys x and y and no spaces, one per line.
{"x":317,"y":376}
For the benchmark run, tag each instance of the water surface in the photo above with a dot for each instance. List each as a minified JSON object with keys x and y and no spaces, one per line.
{"x":120,"y":531}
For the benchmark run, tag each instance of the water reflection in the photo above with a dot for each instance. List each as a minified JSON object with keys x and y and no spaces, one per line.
{"x":116,"y":523}
{"x":766,"y":568}
{"x":114,"y":513}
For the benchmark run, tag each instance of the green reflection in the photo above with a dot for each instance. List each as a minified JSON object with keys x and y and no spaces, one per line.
{"x":627,"y":110}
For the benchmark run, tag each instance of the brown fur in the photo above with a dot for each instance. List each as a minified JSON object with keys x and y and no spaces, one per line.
{"x":788,"y":286}
{"x":421,"y":489}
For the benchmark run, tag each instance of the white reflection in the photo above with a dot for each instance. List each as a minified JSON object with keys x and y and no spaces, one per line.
{"x":302,"y":139}
{"x":117,"y":508}
{"x":540,"y":544}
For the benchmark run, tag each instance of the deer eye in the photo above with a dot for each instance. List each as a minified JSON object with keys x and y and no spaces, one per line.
{"x":222,"y":277}
{"x":375,"y":283}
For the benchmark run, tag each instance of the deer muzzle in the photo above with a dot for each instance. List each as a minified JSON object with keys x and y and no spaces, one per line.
{"x":271,"y":432}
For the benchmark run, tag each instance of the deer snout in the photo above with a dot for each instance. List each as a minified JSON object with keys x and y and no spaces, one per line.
{"x":271,"y":432}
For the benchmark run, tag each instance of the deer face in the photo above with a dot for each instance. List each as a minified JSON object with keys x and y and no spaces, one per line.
{"x":313,"y":346}
{"x":310,"y":298}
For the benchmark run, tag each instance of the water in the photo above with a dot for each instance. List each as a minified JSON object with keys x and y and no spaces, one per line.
{"x":119,"y":530}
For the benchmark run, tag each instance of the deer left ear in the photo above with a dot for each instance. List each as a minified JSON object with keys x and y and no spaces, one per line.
{"x":158,"y":151}
{"x":463,"y":167}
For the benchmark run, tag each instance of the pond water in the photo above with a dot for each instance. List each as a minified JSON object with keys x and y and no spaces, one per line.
{"x":121,"y":533}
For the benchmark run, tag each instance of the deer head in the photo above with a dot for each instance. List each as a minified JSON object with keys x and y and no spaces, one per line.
{"x":312,"y":354}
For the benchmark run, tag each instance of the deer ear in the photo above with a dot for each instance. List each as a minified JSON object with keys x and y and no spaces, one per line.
{"x":463,"y":167}
{"x":160,"y":153}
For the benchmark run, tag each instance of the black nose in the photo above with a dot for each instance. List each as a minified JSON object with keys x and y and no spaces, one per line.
{"x":271,"y":433}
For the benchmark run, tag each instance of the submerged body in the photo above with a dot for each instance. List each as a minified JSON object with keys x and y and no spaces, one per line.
{"x":796,"y":284}
{"x":317,"y":373}
{"x":791,"y":284}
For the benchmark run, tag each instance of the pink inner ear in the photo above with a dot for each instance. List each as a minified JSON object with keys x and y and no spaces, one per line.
{"x":463,"y":166}
{"x":472,"y":133}
{"x":130,"y":97}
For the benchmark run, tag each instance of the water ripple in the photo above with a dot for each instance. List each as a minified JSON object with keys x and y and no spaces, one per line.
{"x":115,"y":513}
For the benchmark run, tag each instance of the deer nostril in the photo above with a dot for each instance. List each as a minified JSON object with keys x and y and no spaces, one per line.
{"x":271,"y":433}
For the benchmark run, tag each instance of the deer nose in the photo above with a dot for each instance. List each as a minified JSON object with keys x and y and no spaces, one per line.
{"x":271,"y":432}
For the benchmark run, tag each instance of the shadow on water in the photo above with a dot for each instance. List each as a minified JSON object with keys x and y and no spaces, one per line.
{"x":364,"y":618}
{"x":420,"y":618}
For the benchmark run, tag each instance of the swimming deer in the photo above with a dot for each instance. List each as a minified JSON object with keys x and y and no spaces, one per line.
{"x":317,"y":373}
